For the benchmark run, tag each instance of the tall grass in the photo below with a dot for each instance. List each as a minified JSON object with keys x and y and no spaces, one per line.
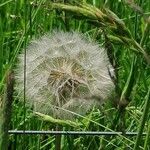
{"x":127,"y":41}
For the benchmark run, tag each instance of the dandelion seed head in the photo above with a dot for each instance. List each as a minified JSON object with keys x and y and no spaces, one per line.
{"x":63,"y":72}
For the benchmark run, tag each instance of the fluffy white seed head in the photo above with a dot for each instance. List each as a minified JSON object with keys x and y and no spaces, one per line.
{"x":65,"y":74}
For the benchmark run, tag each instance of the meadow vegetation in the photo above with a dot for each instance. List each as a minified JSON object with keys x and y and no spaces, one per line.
{"x":122,"y":28}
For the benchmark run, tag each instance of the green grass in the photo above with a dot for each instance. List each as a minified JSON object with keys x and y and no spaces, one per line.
{"x":21,"y":20}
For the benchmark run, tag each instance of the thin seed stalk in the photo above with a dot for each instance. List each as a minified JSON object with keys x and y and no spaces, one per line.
{"x":58,"y":138}
{"x":5,"y":112}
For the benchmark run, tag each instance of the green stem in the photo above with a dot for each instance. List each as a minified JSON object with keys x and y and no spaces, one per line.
{"x":147,"y":141}
{"x":143,"y":120}
{"x":146,"y":56}
{"x":145,"y":34}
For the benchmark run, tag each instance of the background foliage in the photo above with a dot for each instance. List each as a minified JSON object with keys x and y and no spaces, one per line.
{"x":127,"y":110}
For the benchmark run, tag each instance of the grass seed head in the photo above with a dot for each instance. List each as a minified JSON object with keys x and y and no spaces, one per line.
{"x":64,"y":72}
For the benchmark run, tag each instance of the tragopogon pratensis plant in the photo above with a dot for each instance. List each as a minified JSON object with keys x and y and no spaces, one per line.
{"x":65,"y":74}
